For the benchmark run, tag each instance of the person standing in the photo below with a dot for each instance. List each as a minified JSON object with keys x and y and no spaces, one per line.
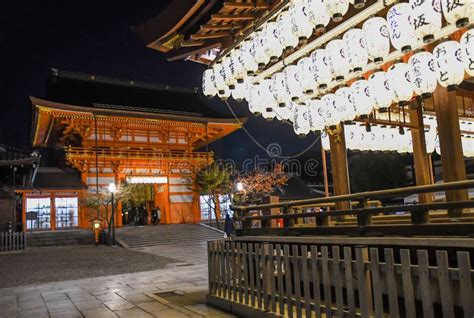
{"x":158,"y":215}
{"x":154,"y":216}
{"x":228,"y":226}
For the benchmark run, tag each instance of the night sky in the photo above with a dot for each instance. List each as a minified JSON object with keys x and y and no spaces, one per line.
{"x":95,"y":37}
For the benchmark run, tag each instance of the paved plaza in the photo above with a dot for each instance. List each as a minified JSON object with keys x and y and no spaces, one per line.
{"x":177,"y":290}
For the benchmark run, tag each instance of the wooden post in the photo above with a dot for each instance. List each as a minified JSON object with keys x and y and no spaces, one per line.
{"x":271,"y":211}
{"x":452,"y":160}
{"x":340,"y":171}
{"x":325,"y":172}
{"x":421,"y":161}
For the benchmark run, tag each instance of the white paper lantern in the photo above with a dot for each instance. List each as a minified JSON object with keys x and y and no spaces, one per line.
{"x":325,"y":140}
{"x":279,"y":89}
{"x":288,"y":39}
{"x":402,"y":33}
{"x":254,"y":99}
{"x":337,"y":55}
{"x":239,"y":93}
{"x":237,"y":65}
{"x":467,"y":46}
{"x":268,"y":110}
{"x":337,"y":9}
{"x":317,"y":14}
{"x":460,"y":12}
{"x":377,"y":38}
{"x":300,"y":24}
{"x":449,"y":64}
{"x":382,"y":90}
{"x":321,"y":68}
{"x":331,"y":115}
{"x":357,"y":55}
{"x":305,"y":75}
{"x":272,"y":44}
{"x":229,"y":79}
{"x":363,"y":99}
{"x":424,"y":73}
{"x":293,"y":87}
{"x":317,"y":120}
{"x":301,"y":122}
{"x":285,"y":113}
{"x":345,"y":95}
{"x":401,"y":80}
{"x":358,"y":4}
{"x":249,"y":63}
{"x":208,"y":83}
{"x":224,"y":94}
{"x":425,"y":17}
{"x":259,"y":52}
{"x":220,"y":78}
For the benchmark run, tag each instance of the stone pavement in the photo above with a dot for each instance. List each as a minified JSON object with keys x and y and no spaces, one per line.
{"x":125,"y":295}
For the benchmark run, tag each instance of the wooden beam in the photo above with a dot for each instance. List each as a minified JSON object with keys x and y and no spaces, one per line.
{"x":452,"y":159}
{"x":215,"y":35}
{"x":219,"y":27}
{"x":192,"y":43}
{"x":240,"y":5}
{"x":230,"y":17}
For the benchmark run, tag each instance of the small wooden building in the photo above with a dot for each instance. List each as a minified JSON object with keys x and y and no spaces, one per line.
{"x":112,"y":131}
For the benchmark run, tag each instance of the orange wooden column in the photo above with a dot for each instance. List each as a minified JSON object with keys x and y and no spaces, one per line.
{"x":339,"y":167}
{"x":52,"y":215}
{"x":452,"y":159}
{"x":421,"y":161}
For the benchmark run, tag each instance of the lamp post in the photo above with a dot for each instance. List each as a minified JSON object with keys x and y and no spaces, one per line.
{"x":113,"y":189}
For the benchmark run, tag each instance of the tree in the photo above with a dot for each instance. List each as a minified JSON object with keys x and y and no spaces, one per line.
{"x":258,"y":184}
{"x":134,"y":194}
{"x":213,"y":181}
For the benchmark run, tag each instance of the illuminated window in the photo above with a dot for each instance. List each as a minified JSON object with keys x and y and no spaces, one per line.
{"x":39,"y":213}
{"x":66,"y":212}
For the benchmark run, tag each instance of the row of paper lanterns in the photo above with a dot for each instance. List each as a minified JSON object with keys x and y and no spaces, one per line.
{"x":420,"y":76}
{"x":389,"y":139}
{"x":405,"y":24}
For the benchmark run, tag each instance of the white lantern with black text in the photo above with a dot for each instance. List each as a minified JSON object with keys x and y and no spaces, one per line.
{"x":224,"y":94}
{"x":305,"y":75}
{"x":382,"y":90}
{"x":260,"y":54}
{"x":240,"y":91}
{"x":321,"y":68}
{"x":363,"y":99}
{"x":268,"y":102}
{"x":288,"y":39}
{"x":285,"y":113}
{"x":317,"y":120}
{"x":300,"y":24}
{"x":460,"y":12}
{"x":337,"y":9}
{"x":377,"y":38}
{"x":331,"y":116}
{"x":402,"y":33}
{"x":228,"y":67}
{"x":337,"y":54}
{"x":220,"y":78}
{"x":279,"y":90}
{"x":301,"y":122}
{"x":317,"y":14}
{"x":254,"y":100}
{"x":293,"y":87}
{"x":401,"y":80}
{"x":272,"y":44}
{"x":425,"y":17}
{"x":467,"y":46}
{"x":237,"y":65}
{"x":356,"y":49}
{"x":424,"y":73}
{"x":208,"y":83}
{"x":249,"y":63}
{"x":449,"y":64}
{"x":346,"y":95}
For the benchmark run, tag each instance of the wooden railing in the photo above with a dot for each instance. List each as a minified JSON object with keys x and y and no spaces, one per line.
{"x":458,"y":220}
{"x":12,"y":241}
{"x":343,"y":277}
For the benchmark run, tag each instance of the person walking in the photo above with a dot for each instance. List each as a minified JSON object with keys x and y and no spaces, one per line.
{"x":154,"y":216}
{"x":228,"y":226}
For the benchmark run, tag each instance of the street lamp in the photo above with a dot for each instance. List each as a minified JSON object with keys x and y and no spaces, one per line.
{"x":113,"y":189}
{"x":240,"y":186}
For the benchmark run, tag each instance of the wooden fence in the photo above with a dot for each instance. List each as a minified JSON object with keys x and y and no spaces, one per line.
{"x":343,"y":280}
{"x":12,"y":241}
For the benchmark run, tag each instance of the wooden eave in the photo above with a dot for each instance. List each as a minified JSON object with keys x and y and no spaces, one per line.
{"x":45,"y":112}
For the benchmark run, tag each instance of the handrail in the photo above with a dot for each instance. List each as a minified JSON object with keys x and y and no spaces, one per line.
{"x":445,"y":186}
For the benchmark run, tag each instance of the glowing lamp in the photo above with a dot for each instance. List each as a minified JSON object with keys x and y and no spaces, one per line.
{"x":219,"y":78}
{"x":363,"y":99}
{"x":356,"y":49}
{"x":317,"y":121}
{"x":278,"y":88}
{"x":208,"y":83}
{"x":377,"y":38}
{"x":425,"y":18}
{"x":321,"y":68}
{"x":305,"y":75}
{"x":467,"y":46}
{"x":337,"y":9}
{"x":249,"y":63}
{"x":258,"y":49}
{"x":402,"y":33}
{"x":317,"y":14}
{"x":400,"y":77}
{"x":300,"y":24}
{"x":460,"y":12}
{"x":272,"y":44}
{"x":424,"y":73}
{"x":331,"y":116}
{"x":301,"y":122}
{"x":293,"y":87}
{"x":346,"y":96}
{"x":449,"y":64}
{"x":382,"y":90}
{"x":239,"y":92}
{"x":337,"y":55}
{"x":228,"y":69}
{"x":288,"y":39}
{"x":286,"y":113}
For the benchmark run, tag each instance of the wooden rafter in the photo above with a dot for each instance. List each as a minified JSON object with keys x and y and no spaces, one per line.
{"x":214,"y":35}
{"x":241,"y":5}
{"x":220,"y":27}
{"x":232,"y":17}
